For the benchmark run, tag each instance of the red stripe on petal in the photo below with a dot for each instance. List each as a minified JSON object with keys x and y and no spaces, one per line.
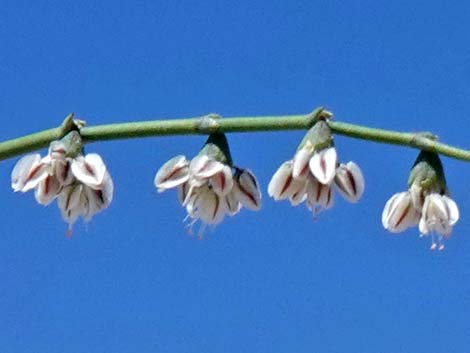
{"x":403,"y":216}
{"x":352,"y":181}
{"x":247,"y":194}
{"x":47,"y":183}
{"x":33,"y":172}
{"x":172,"y":174}
{"x":217,"y":204}
{"x":286,"y":185}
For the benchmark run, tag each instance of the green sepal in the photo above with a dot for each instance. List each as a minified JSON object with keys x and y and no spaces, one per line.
{"x":319,"y":137}
{"x":73,"y":144}
{"x":216,"y":147}
{"x":427,"y":172}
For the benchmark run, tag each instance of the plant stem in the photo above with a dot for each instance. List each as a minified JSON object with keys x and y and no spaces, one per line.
{"x":205,"y":125}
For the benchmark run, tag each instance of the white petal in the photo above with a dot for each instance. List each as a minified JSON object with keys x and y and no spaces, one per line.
{"x":90,"y":170}
{"x":323,"y":165}
{"x":282,"y":184}
{"x":280,"y":180}
{"x":28,"y":172}
{"x":319,"y":196}
{"x":301,"y":159}
{"x":107,"y":190}
{"x":399,"y":213}
{"x":233,"y":205}
{"x":62,"y":171}
{"x":423,"y":227}
{"x":222,"y":182}
{"x":192,"y":190}
{"x":57,"y":150}
{"x":21,"y":170}
{"x":349,"y":181}
{"x":247,"y":190}
{"x":191,"y":206}
{"x":210,"y":207}
{"x":182,"y":191}
{"x":47,"y":190}
{"x":417,"y":196}
{"x":439,"y":214}
{"x":202,"y":167}
{"x":73,"y":203}
{"x":173,"y":173}
{"x":300,"y":195}
{"x":69,"y":197}
{"x":453,"y":210}
{"x":98,"y":200}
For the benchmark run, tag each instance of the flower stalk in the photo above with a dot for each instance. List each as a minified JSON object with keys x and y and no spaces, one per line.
{"x":198,"y":126}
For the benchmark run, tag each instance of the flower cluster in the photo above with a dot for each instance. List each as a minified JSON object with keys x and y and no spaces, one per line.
{"x":426,"y":203}
{"x":209,"y":186}
{"x":81,"y":184}
{"x":313,"y":171}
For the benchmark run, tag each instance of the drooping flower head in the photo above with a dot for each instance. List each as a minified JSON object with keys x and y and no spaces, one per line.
{"x":314,"y":170}
{"x":210,"y":186}
{"x":81,"y":183}
{"x":426,"y":202}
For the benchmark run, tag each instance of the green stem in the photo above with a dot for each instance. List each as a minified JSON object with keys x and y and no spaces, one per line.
{"x":205,"y":125}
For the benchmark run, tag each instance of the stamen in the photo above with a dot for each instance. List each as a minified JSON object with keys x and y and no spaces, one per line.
{"x":202,"y":228}
{"x":69,"y":232}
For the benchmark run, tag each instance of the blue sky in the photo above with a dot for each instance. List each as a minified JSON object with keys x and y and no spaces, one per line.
{"x":132,"y":280}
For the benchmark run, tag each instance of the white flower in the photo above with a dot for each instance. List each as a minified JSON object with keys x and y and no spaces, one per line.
{"x":283,"y":185}
{"x":436,"y":215}
{"x":425,"y":203}
{"x":439,"y":215}
{"x":209,"y":189}
{"x":85,"y":200}
{"x":47,"y":175}
{"x":399,"y":213}
{"x":310,"y":175}
{"x":82,"y":184}
{"x":204,"y":170}
{"x":319,"y":196}
{"x":91,"y":191}
{"x":205,"y":204}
